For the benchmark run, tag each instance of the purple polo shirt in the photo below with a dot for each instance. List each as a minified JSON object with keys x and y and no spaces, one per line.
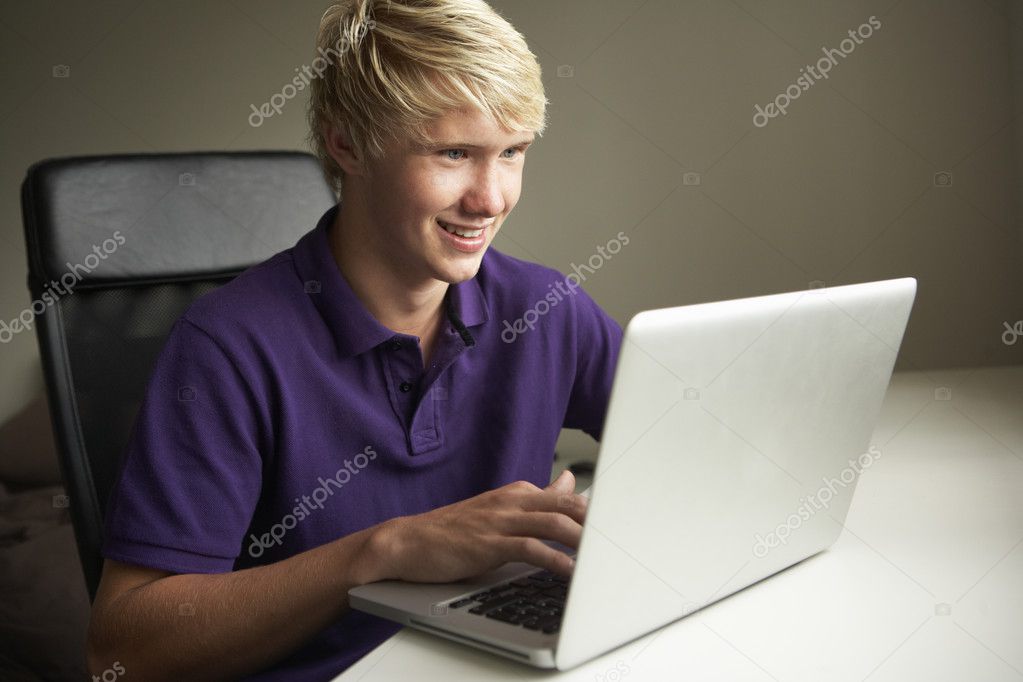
{"x":281,"y":416}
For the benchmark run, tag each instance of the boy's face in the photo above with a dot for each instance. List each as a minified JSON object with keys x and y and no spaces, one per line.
{"x":469,"y":180}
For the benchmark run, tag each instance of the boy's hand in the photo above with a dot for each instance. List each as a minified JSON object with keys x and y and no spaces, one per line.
{"x":479,"y":534}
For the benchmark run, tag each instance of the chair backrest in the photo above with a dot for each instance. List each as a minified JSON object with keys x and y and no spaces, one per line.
{"x":118,"y":247}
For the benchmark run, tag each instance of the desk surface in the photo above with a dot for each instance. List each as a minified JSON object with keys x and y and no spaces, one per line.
{"x":926,"y":581}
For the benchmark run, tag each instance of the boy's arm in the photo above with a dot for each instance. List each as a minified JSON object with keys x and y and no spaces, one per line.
{"x":598,"y":339}
{"x":158,"y":625}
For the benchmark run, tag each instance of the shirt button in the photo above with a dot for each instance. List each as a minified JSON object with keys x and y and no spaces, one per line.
{"x":395,"y":345}
{"x":405,"y":387}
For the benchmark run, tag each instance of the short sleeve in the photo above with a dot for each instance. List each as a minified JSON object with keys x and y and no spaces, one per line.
{"x":598,"y":339}
{"x":191,"y":475}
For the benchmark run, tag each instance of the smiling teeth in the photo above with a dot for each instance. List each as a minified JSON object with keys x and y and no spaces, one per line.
{"x":469,"y":234}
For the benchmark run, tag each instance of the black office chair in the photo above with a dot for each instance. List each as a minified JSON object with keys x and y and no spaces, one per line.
{"x":144,"y":235}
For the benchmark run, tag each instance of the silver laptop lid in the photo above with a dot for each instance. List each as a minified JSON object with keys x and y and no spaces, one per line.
{"x":734,"y":437}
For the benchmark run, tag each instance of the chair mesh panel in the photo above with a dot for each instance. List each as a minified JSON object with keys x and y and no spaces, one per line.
{"x":115,"y":336}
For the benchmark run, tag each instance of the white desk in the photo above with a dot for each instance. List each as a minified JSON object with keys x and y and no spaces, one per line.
{"x":925,"y":583}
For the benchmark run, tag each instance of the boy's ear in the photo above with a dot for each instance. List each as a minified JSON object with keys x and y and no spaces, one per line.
{"x":340,"y":148}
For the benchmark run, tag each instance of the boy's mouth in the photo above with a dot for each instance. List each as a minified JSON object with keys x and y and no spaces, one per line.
{"x":465,"y":232}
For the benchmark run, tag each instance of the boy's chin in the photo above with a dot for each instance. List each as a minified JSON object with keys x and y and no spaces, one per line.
{"x":454,"y":273}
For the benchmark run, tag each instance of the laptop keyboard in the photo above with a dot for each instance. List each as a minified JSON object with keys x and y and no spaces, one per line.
{"x":535,"y":602}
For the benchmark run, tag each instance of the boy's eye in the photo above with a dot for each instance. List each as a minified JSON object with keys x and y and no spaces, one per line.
{"x":459,"y":154}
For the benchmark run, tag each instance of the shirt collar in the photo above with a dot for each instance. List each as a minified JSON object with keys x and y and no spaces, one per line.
{"x":354,"y":329}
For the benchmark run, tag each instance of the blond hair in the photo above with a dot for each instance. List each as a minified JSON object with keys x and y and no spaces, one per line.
{"x":394,"y":66}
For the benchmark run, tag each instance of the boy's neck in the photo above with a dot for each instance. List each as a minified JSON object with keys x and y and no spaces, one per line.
{"x":414,"y":308}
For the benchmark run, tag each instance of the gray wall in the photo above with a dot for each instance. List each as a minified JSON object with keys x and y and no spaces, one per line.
{"x":1016,"y":48}
{"x":841,"y":189}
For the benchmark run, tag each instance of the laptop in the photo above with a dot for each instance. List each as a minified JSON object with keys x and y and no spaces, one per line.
{"x":734,"y":437}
